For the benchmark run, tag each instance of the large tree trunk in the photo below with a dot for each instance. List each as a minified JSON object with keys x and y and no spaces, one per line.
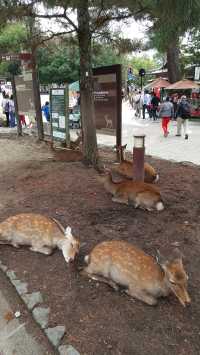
{"x":36,"y":93}
{"x":173,"y":62}
{"x":90,"y":151}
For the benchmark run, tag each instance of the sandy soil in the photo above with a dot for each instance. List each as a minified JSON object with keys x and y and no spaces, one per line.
{"x":97,"y":319}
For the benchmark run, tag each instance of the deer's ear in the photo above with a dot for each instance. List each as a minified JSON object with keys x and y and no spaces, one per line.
{"x":68,"y":231}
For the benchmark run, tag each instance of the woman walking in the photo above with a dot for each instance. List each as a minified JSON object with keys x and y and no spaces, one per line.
{"x":166,"y":113}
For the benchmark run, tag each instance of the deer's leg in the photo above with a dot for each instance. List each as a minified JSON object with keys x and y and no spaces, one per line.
{"x":120,"y":198}
{"x":15,"y":245}
{"x":86,"y":272}
{"x":41,"y":249}
{"x":142,"y":296}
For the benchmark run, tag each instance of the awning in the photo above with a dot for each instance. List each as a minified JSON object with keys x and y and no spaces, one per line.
{"x":183,"y":85}
{"x":158,"y":83}
{"x":74,"y":86}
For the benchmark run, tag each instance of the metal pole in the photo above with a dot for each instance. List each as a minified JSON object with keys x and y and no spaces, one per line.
{"x":138,"y":158}
{"x":141,"y":83}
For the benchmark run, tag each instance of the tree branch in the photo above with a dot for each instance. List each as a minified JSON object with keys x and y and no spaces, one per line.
{"x":56,"y":16}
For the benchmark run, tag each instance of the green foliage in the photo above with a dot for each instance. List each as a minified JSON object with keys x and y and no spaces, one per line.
{"x":58,"y":64}
{"x":171,"y":19}
{"x":12,"y":38}
{"x":191,"y":50}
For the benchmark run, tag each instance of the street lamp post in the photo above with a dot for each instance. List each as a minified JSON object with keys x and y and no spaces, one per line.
{"x":138,"y":157}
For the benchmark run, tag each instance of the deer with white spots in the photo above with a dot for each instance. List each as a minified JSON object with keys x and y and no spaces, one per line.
{"x":125,"y":168}
{"x":136,"y":193}
{"x":42,"y":234}
{"x":142,"y":276}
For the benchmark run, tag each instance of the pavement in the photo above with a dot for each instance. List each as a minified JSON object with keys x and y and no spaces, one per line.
{"x":19,"y":334}
{"x":170,"y":148}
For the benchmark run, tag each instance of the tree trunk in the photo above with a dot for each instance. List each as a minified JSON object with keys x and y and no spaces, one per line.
{"x":173,"y":62}
{"x":90,"y":151}
{"x":36,"y":93}
{"x":19,"y":126}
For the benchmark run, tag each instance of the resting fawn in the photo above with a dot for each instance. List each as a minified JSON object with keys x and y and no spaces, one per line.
{"x":140,"y":194}
{"x":41,"y":233}
{"x":120,"y":263}
{"x":126,"y":168}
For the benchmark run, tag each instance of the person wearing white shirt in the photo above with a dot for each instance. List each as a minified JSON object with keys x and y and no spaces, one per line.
{"x":146,"y":101}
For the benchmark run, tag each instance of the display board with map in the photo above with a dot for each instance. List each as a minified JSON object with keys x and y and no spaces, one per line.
{"x":59,"y":114}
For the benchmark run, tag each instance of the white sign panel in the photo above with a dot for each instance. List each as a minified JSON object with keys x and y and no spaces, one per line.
{"x":197,"y":73}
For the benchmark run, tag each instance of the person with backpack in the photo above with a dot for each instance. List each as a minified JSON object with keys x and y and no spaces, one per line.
{"x":183,"y":114}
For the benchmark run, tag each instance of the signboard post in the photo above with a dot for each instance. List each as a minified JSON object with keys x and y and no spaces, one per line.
{"x":108,"y":100}
{"x":197,"y":73}
{"x":59,"y":114}
{"x":25,"y":97}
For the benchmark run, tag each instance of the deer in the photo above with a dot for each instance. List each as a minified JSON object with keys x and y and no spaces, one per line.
{"x":77,"y":142}
{"x":126,"y":168}
{"x":41,"y":233}
{"x":140,"y":194}
{"x":109,"y":123}
{"x":119,"y":263}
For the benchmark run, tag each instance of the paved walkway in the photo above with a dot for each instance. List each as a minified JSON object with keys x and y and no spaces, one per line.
{"x":170,"y":148}
{"x":18,"y":336}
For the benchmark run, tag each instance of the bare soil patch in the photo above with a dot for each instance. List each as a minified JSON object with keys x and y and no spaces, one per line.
{"x":97,"y":319}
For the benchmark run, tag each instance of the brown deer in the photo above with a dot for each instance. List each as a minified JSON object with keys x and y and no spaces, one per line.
{"x":144,"y":278}
{"x":78,"y":141}
{"x":42,"y":234}
{"x":140,"y":194}
{"x":126,"y":168}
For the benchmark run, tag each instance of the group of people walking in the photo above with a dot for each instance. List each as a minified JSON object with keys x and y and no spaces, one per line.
{"x":167,"y":110}
{"x":183,"y":113}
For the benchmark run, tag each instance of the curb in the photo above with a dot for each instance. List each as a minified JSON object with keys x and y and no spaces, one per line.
{"x":40,"y":314}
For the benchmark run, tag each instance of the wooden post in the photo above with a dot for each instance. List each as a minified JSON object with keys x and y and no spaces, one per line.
{"x":138,"y":157}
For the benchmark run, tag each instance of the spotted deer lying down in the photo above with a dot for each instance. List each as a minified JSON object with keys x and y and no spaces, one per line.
{"x":140,"y":194}
{"x":126,"y":168}
{"x":144,"y":278}
{"x":41,"y":233}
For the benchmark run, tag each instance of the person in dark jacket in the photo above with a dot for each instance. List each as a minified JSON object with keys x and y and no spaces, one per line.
{"x":183,"y":114}
{"x":154,"y":102}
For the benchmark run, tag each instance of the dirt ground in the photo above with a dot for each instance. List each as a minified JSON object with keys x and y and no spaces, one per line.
{"x":99,"y":320}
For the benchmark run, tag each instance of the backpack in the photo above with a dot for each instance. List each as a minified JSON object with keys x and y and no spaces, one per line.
{"x":185,"y":109}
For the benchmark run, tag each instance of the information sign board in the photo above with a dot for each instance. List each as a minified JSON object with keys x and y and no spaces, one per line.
{"x":25,"y":97}
{"x":59,"y":114}
{"x":108,"y":100}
